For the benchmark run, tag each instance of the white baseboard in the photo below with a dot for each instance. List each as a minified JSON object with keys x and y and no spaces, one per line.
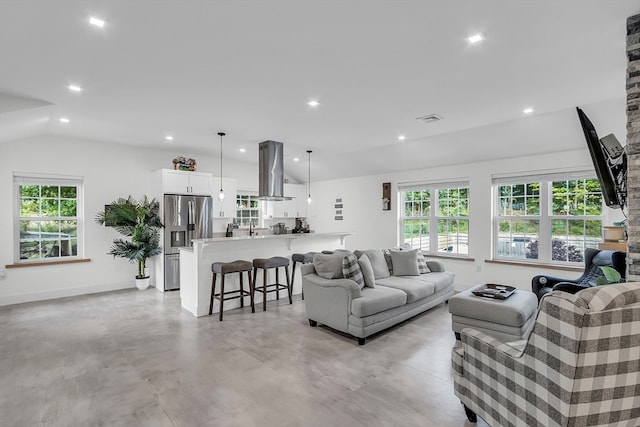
{"x":62,"y":293}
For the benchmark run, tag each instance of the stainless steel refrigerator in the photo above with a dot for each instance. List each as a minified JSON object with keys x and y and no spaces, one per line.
{"x":185,"y":218}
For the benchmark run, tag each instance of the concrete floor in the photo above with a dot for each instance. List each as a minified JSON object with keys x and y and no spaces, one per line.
{"x":134,"y":358}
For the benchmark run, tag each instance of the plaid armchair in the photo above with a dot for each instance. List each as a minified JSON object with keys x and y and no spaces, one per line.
{"x":580,"y":366}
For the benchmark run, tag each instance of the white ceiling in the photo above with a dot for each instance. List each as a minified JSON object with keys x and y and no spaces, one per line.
{"x":194,"y":68}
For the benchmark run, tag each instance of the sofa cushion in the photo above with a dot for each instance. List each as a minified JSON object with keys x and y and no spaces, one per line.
{"x":367,"y":271}
{"x":415,"y":289}
{"x":376,"y":300}
{"x":376,"y":257}
{"x":422,"y":263}
{"x":440,"y":280}
{"x":405,"y":263}
{"x":328,"y":266}
{"x":351,"y":270}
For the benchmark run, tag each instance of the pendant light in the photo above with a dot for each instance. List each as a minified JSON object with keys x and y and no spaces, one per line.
{"x":221,"y":193}
{"x":309,"y":177}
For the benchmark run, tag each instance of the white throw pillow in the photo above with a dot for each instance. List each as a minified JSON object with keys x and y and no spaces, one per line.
{"x":376,"y":257}
{"x":328,"y":266}
{"x":367,"y":271}
{"x":405,"y":263}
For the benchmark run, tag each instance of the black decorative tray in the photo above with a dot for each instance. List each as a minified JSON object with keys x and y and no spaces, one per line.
{"x":491,"y":290}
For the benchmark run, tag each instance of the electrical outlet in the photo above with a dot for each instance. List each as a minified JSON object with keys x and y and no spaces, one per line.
{"x":3,"y":274}
{"x":478,"y":268}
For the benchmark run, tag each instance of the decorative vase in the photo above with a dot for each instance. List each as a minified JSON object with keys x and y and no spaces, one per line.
{"x":143,"y":283}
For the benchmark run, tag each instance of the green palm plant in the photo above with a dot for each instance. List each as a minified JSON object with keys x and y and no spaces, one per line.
{"x":138,"y":220}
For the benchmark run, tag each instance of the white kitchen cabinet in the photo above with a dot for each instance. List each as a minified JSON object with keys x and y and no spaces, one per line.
{"x":301,"y":201}
{"x":285,"y":208}
{"x":279,"y":208}
{"x":227,"y":207}
{"x":185,"y":182}
{"x":294,"y":208}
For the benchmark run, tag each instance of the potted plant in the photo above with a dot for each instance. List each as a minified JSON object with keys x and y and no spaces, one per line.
{"x":611,"y":275}
{"x":140,"y":221}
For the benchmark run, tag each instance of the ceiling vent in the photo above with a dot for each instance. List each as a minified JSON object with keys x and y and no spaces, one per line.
{"x":430,"y":118}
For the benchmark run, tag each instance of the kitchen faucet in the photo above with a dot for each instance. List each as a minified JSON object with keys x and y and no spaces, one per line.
{"x":251,"y":232}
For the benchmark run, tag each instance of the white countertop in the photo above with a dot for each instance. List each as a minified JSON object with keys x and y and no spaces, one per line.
{"x":272,"y":236}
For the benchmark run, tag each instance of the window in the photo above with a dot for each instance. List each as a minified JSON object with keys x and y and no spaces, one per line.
{"x":49,"y":217}
{"x":548,"y":218}
{"x":248,"y":210}
{"x":435,"y":218}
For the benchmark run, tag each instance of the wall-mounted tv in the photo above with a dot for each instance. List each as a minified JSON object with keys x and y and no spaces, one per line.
{"x":610,"y":162}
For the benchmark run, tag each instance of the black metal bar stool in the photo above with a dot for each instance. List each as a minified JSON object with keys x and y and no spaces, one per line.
{"x":266,"y":264}
{"x":224,"y":268}
{"x":304,"y":259}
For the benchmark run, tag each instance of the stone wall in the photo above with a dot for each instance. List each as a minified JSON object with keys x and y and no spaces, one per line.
{"x":633,"y":146}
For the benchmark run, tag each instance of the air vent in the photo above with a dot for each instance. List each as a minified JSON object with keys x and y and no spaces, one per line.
{"x":430,"y":118}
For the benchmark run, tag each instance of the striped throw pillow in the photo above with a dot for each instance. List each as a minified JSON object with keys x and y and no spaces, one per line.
{"x":351,"y":270}
{"x":387,"y":258}
{"x":422,"y":264}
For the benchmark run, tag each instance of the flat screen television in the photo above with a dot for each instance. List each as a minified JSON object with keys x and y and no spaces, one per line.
{"x":610,"y":162}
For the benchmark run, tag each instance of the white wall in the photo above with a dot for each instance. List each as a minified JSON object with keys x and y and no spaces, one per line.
{"x":376,"y":228}
{"x":110,"y":171}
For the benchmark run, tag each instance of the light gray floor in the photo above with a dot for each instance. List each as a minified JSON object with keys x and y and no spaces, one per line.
{"x":134,"y":358}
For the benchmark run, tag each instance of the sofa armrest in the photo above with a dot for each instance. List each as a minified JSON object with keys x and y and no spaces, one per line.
{"x":569,"y":287}
{"x":328,"y":301}
{"x":436,"y":266}
{"x":348,"y":285}
{"x":543,"y":284}
{"x":479,"y":341}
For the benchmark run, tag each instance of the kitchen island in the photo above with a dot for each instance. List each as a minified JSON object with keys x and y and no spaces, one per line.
{"x":195,"y":263}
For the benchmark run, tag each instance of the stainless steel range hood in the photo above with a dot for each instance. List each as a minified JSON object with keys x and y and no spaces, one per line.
{"x":271,"y":171}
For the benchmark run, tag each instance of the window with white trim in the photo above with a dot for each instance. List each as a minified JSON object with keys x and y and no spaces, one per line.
{"x":435,"y":217}
{"x":247,"y":210}
{"x":49,"y":217}
{"x":548,"y":218}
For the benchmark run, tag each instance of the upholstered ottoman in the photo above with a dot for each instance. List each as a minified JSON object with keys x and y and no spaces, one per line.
{"x":508,"y":320}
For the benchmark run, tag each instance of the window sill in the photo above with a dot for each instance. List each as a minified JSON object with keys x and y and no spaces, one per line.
{"x":535,"y":265}
{"x":452,"y":256}
{"x":43,"y":263}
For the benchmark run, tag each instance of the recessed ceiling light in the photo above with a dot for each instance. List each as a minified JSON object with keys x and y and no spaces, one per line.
{"x":74,"y":88}
{"x":169,"y":137}
{"x":313,"y":103}
{"x":401,"y":137}
{"x":243,"y":150}
{"x":96,"y":21}
{"x":528,"y":110}
{"x":476,"y":38}
{"x":64,"y":120}
{"x":296,"y":159}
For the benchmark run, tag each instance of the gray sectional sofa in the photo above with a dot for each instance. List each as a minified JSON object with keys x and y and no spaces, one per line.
{"x":384,"y":298}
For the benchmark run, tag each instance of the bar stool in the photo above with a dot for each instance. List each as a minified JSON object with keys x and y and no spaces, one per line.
{"x":224,"y":268}
{"x":266,"y":264}
{"x":303,"y":258}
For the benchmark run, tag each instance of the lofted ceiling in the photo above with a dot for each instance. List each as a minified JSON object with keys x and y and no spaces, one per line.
{"x":248,"y":68}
